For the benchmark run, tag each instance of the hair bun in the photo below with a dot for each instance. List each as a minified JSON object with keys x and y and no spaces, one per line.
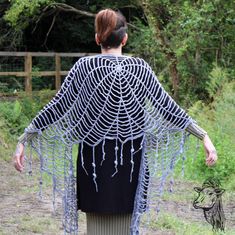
{"x":110,"y":27}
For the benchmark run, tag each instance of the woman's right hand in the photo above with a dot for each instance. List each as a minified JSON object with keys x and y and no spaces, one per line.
{"x":19,"y":158}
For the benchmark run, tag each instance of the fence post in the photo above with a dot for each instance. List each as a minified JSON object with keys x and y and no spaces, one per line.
{"x":57,"y":71}
{"x":28,"y":71}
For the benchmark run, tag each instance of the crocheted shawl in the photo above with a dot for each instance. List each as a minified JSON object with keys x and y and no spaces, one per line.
{"x":100,"y":99}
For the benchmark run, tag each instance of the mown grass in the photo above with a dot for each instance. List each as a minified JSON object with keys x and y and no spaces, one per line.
{"x":27,"y":224}
{"x":168,"y":222}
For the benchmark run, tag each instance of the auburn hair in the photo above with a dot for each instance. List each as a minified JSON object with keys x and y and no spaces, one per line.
{"x":110,"y":27}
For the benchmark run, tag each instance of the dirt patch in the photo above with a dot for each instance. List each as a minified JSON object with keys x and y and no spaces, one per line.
{"x":22,"y":213}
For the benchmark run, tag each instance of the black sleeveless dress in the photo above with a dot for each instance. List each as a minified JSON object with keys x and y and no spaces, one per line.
{"x":115,"y":194}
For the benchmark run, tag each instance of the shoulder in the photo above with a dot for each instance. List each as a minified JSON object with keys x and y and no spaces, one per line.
{"x":138,"y":61}
{"x":142,"y":65}
{"x":82,"y":60}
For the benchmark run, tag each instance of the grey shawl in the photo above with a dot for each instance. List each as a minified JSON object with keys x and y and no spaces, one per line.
{"x":101,"y":98}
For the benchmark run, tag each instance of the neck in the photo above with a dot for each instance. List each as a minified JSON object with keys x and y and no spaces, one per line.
{"x":112,"y":51}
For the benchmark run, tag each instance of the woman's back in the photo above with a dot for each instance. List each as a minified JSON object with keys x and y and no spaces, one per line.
{"x":129,"y":131}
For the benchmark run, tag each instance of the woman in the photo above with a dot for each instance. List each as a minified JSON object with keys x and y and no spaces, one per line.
{"x":114,"y":107}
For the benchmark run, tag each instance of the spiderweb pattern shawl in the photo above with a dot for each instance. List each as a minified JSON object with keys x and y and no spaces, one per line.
{"x":110,"y":97}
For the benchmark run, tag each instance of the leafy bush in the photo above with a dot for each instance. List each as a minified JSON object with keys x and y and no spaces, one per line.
{"x":219,"y":123}
{"x":18,"y":114}
{"x":15,"y":119}
{"x":217,"y":78}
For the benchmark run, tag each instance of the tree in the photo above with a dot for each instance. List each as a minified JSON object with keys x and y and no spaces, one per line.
{"x":159,"y":16}
{"x":182,"y":39}
{"x":9,"y":37}
{"x":191,"y":36}
{"x":73,"y":17}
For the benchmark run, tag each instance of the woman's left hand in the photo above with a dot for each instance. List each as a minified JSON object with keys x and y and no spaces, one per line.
{"x":19,"y":158}
{"x":211,"y":155}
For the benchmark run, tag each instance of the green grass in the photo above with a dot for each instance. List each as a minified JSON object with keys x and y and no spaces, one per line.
{"x":34,"y":225}
{"x":167,"y":222}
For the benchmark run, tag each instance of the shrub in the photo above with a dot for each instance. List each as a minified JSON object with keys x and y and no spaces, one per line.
{"x":219,"y":123}
{"x":17,"y":115}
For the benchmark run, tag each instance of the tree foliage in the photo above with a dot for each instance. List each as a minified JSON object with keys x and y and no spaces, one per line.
{"x":23,"y":10}
{"x":59,"y":24}
{"x":190,"y":36}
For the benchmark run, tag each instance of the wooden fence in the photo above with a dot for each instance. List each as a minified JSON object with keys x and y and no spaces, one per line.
{"x":28,"y":73}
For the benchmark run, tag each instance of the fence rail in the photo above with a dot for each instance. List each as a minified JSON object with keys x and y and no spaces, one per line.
{"x":28,"y":65}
